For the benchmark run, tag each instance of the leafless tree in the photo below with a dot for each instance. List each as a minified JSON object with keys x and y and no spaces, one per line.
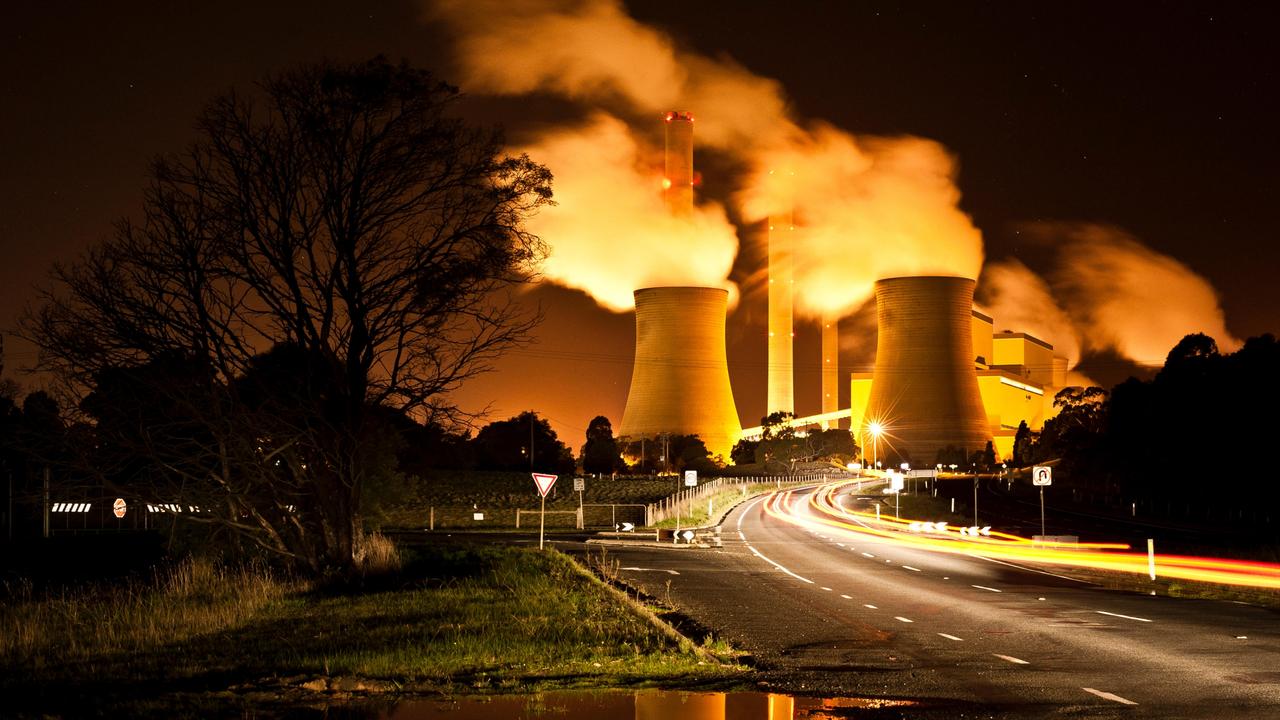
{"x":339,"y":214}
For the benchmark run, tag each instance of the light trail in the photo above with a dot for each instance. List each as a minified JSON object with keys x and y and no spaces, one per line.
{"x":822,"y":513}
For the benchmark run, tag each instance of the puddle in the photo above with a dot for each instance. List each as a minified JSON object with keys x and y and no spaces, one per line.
{"x":640,"y":705}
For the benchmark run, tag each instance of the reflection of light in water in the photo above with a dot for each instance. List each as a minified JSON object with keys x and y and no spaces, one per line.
{"x":659,"y":705}
{"x":781,"y":707}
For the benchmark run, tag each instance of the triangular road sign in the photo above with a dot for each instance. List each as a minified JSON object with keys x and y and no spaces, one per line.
{"x":544,"y":482}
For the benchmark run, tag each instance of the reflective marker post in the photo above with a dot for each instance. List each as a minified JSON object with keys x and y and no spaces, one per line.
{"x":1151,"y":557}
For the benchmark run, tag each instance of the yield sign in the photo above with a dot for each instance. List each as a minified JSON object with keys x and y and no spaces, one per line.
{"x":544,"y":482}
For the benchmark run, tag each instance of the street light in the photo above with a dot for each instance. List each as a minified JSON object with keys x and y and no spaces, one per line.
{"x":875,"y":428}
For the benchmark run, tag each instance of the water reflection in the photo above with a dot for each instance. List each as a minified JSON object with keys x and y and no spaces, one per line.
{"x":640,"y":705}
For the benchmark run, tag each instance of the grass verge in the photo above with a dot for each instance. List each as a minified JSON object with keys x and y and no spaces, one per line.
{"x":474,"y":618}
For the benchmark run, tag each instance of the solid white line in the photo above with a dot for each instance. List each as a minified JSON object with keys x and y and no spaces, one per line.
{"x":866,"y":554}
{"x":1110,"y":696}
{"x":827,"y":589}
{"x":951,"y":637}
{"x":762,"y":557}
{"x":846,"y":597}
{"x":741,"y":536}
{"x":873,"y":607}
{"x":899,"y":617}
{"x":640,"y":569}
{"x":1126,"y":617}
{"x":1011,"y":659}
{"x":1023,"y":567}
{"x":984,"y":587}
{"x":908,"y":567}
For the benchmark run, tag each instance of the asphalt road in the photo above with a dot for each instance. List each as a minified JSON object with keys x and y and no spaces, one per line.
{"x":964,"y":635}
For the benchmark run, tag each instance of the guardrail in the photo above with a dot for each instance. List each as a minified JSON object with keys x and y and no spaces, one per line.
{"x":681,"y":502}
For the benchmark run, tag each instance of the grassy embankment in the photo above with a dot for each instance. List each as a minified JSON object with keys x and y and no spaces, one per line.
{"x":695,"y":514}
{"x":454,"y":618}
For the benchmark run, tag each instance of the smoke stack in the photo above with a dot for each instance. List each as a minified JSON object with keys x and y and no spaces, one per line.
{"x":677,"y":183}
{"x":830,"y":368}
{"x":925,"y":391}
{"x":781,"y":394}
{"x":680,"y":383}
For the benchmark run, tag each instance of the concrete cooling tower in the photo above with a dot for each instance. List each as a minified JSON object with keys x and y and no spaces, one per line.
{"x":680,"y":383}
{"x":925,"y":392}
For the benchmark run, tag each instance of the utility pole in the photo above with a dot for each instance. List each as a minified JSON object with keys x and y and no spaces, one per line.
{"x":530,"y":441}
{"x":46,"y":501}
{"x":975,"y":497}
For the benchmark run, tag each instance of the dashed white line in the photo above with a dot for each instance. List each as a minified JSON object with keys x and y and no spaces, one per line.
{"x":826,"y":588}
{"x":912,"y":569}
{"x":840,"y":544}
{"x":846,"y":597}
{"x":1010,"y":658}
{"x":951,"y":637}
{"x":1027,"y":569}
{"x":867,"y":554}
{"x":1110,"y":696}
{"x":873,"y":607}
{"x":902,"y":619}
{"x":984,"y":587}
{"x":1126,"y":617}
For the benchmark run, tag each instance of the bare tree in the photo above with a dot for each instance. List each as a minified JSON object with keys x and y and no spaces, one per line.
{"x":338,"y":212}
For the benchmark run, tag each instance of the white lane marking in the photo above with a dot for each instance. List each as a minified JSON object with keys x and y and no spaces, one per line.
{"x":908,"y":567}
{"x":902,"y":619}
{"x":827,"y":589}
{"x":741,"y":536}
{"x":867,"y":554}
{"x":640,"y":569}
{"x":873,"y":607}
{"x":951,"y":637}
{"x":1110,"y":696}
{"x":1242,"y":637}
{"x":1024,"y":567}
{"x":1126,"y":617}
{"x":988,"y":589}
{"x":840,"y":544}
{"x":1010,"y":658}
{"x":846,"y":597}
{"x":762,"y":557}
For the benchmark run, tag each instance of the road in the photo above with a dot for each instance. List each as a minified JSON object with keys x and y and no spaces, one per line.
{"x":823,"y":612}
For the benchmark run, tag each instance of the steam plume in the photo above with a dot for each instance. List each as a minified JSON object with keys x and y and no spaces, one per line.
{"x":1020,"y":300}
{"x":610,"y":230}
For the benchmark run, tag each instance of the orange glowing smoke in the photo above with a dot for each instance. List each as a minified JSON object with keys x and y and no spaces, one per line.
{"x":610,"y":232}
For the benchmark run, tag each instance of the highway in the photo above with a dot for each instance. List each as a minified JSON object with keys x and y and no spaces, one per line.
{"x":823,"y":611}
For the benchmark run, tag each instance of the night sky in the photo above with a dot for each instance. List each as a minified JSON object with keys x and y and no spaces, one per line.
{"x":1156,"y":118}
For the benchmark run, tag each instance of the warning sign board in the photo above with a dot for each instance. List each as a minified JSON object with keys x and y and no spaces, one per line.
{"x":544,"y":482}
{"x":118,"y":507}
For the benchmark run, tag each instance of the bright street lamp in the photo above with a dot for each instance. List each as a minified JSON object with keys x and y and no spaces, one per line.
{"x":875,"y":428}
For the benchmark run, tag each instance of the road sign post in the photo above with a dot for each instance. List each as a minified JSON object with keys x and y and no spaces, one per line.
{"x":580,"y":484}
{"x":544,"y":483}
{"x":1042,"y":476}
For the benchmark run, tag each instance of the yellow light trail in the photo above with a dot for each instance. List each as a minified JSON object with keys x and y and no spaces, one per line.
{"x":822,"y":511}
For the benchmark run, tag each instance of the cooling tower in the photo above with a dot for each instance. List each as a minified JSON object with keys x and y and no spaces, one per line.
{"x":780,"y":396}
{"x":678,"y":177}
{"x":680,"y":383}
{"x":925,"y":391}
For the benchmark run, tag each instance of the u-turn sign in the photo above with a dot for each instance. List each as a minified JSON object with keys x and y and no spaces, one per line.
{"x":1041,"y":475}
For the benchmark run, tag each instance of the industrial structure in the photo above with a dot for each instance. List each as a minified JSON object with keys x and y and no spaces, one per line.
{"x":780,"y":394}
{"x":680,"y":381}
{"x":925,"y":392}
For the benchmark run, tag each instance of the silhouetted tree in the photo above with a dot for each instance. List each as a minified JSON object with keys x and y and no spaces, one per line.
{"x":744,"y":452}
{"x":600,"y":454}
{"x":337,"y":210}
{"x":508,"y":445}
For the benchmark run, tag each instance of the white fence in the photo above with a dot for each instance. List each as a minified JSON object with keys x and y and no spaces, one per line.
{"x":681,"y":502}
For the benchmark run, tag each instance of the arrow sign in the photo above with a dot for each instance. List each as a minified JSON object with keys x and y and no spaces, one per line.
{"x":687,"y":534}
{"x":986,"y":531}
{"x":544,"y":483}
{"x":628,"y":527}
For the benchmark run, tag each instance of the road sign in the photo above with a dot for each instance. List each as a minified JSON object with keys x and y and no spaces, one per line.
{"x":118,"y":507}
{"x":895,"y":482}
{"x":687,"y":535}
{"x":930,"y":473}
{"x":1041,"y":475}
{"x":477,"y":516}
{"x":544,"y":483}
{"x":625,"y":527}
{"x":691,"y":478}
{"x":579,"y":484}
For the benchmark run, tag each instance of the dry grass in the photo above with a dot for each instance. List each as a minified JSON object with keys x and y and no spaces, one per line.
{"x":178,"y":602}
{"x":376,"y":555}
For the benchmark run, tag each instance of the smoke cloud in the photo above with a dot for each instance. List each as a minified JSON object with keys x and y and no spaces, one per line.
{"x":866,"y":207}
{"x":610,"y":231}
{"x":1021,"y":301}
{"x":1126,"y":297}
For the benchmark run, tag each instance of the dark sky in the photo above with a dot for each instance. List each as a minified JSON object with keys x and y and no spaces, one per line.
{"x":1158,"y":118}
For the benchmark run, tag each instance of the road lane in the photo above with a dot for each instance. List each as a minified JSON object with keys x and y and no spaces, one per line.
{"x":966,"y":630}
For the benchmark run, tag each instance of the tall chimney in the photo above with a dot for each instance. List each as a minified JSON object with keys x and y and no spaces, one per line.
{"x":677,"y":181}
{"x":780,"y":395}
{"x":680,"y":382}
{"x":925,"y":389}
{"x":830,"y":368}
